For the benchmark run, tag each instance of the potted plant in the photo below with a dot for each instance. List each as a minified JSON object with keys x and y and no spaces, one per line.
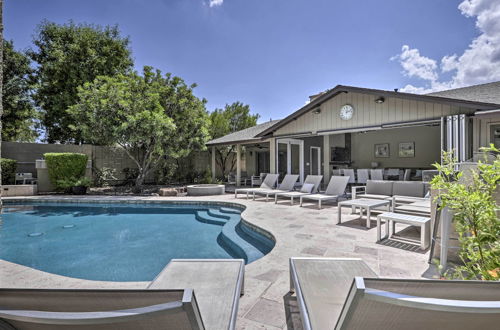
{"x":75,"y":186}
{"x":80,"y":186}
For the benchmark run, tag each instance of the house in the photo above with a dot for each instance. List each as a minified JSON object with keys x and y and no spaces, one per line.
{"x":358,"y":127}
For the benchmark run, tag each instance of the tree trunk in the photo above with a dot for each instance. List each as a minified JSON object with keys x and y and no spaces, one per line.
{"x":1,"y":91}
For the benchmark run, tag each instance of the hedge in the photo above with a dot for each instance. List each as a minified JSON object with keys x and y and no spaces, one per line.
{"x":9,"y":167}
{"x":65,"y":166}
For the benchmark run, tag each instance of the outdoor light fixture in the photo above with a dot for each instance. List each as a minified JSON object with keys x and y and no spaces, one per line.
{"x":380,"y":100}
{"x":317,"y":111}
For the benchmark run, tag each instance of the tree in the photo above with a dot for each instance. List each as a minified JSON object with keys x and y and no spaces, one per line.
{"x":19,"y":113}
{"x":153,"y":117}
{"x":234,"y":117}
{"x":68,"y":56}
{"x":1,"y":91}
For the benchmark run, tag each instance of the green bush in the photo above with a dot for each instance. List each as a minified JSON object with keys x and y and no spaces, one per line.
{"x":8,"y":170}
{"x":473,"y":202}
{"x":65,"y":167}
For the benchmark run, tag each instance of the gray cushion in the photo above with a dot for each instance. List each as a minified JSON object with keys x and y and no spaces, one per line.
{"x":409,"y":188}
{"x":373,"y":196}
{"x":375,"y":187}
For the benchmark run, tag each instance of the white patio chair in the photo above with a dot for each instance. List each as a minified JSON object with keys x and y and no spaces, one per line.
{"x":363,"y":175}
{"x":256,"y":180}
{"x":326,"y":302}
{"x":336,"y":188}
{"x":311,"y":185}
{"x":377,"y":174}
{"x":350,"y":173}
{"x":407,"y":175}
{"x":288,"y":184}
{"x":269,"y":183}
{"x":187,"y":294}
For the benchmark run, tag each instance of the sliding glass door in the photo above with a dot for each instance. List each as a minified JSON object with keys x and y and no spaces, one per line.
{"x":290,"y":157}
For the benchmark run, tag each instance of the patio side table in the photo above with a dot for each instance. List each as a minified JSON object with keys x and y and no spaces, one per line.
{"x":363,"y":204}
{"x":422,"y":222}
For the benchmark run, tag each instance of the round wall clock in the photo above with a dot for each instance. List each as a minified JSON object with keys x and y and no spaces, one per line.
{"x":346,"y":112}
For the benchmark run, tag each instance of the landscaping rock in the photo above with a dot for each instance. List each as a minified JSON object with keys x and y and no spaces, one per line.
{"x":168,"y":192}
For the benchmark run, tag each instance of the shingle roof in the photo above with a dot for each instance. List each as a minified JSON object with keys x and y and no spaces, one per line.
{"x":243,"y":136}
{"x":489,"y":93}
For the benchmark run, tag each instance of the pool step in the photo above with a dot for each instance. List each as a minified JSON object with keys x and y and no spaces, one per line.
{"x":218,"y":214}
{"x":229,"y":210}
{"x":203,"y":216}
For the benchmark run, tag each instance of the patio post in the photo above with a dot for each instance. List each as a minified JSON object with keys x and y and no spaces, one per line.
{"x":326,"y":159}
{"x":238,"y":164}
{"x":213,"y":163}
{"x":272,"y":155}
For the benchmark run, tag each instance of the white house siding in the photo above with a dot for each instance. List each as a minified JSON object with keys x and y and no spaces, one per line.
{"x":367,"y":113}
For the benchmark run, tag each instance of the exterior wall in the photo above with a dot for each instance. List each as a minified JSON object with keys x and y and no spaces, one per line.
{"x":427,"y":147}
{"x":481,"y":130}
{"x":316,"y":141}
{"x":27,"y":153}
{"x":367,"y":113}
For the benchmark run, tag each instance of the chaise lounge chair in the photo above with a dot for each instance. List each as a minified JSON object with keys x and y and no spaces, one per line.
{"x":333,"y":294}
{"x":269,"y":183}
{"x":310,"y":186}
{"x":286,"y":185}
{"x":336,"y":188}
{"x":188,"y":294}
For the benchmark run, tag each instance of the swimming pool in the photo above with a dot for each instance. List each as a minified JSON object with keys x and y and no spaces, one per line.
{"x":120,"y":241}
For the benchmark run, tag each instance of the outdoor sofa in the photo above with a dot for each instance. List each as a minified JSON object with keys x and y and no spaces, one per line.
{"x":401,"y":192}
{"x":187,"y":294}
{"x":335,"y":293}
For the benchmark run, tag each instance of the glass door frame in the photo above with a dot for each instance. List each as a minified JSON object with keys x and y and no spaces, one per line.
{"x":289,"y":143}
{"x":311,"y":159}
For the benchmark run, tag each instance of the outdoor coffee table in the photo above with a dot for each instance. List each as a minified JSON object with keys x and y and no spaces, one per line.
{"x":413,"y":220}
{"x":363,"y":204}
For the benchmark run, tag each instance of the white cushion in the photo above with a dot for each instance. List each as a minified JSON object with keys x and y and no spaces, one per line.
{"x":307,"y":187}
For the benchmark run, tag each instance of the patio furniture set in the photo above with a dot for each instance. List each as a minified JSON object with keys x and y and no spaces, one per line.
{"x":361,"y":176}
{"x":396,"y":198}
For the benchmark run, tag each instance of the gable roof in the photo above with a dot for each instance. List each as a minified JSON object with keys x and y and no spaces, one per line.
{"x":316,"y":102}
{"x":247,"y":135}
{"x":489,"y":93}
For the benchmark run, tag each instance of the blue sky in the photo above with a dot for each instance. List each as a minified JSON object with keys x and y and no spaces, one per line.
{"x":272,"y":54}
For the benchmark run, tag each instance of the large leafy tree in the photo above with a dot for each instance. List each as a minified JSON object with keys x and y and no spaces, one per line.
{"x":68,"y":56}
{"x":19,"y":113}
{"x":153,"y":117}
{"x":234,"y":117}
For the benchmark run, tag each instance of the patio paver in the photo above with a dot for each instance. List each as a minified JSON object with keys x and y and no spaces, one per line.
{"x":298,"y":232}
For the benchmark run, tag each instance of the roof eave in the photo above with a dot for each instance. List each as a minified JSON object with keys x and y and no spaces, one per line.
{"x":345,"y":89}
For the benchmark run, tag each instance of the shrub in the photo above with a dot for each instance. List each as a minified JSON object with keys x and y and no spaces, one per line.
{"x":8,"y":170}
{"x":65,"y":167}
{"x":475,"y":216}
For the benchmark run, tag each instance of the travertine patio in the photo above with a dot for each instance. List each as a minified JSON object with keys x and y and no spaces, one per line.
{"x":304,"y":231}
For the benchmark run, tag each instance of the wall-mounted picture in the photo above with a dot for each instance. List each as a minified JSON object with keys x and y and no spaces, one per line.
{"x":382,"y":150}
{"x":407,"y":149}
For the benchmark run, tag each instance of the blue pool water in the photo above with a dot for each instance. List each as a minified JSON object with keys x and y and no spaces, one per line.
{"x":122,"y":242}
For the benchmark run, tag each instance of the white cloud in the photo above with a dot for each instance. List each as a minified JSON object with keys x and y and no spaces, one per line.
{"x":479,"y":63}
{"x":215,"y":3}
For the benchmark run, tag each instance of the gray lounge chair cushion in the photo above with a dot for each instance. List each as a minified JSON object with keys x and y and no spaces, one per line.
{"x":408,"y":188}
{"x":377,"y":187}
{"x":307,"y":187}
